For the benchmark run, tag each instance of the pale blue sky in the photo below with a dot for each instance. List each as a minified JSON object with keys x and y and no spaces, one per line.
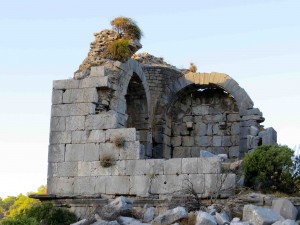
{"x":257,"y":42}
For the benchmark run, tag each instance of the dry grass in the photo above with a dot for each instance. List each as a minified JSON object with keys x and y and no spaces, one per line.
{"x":107,"y":159}
{"x":118,"y":50}
{"x":193,"y":68}
{"x":119,"y":142}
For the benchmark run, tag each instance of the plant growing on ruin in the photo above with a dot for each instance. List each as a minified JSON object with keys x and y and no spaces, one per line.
{"x":118,"y":49}
{"x":193,"y":68}
{"x":119,"y":142}
{"x":107,"y":159}
{"x":270,"y":168}
{"x":126,"y":27}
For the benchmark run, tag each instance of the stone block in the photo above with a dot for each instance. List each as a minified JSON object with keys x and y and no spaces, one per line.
{"x":119,"y":168}
{"x":189,"y":165}
{"x":73,"y":96}
{"x":213,"y":184}
{"x":200,"y":110}
{"x":51,"y":185}
{"x":110,"y":148}
{"x":140,"y":185}
{"x":203,"y":141}
{"x":204,"y":218}
{"x":98,"y":170}
{"x":235,"y":140}
{"x":217,"y":140}
{"x":101,"y":121}
{"x":176,"y":141}
{"x":74,"y":152}
{"x":128,"y":134}
{"x":90,"y":95}
{"x":155,"y":166}
{"x":97,"y":71}
{"x":75,"y":123}
{"x":166,"y":184}
{"x":269,"y":136}
{"x":226,"y":141}
{"x":63,"y":137}
{"x":206,"y":154}
{"x":64,"y":186}
{"x":58,"y":124}
{"x":91,"y":152}
{"x":286,"y":222}
{"x":209,"y":165}
{"x":252,"y":142}
{"x":96,"y":136}
{"x":56,"y":153}
{"x":84,"y":185}
{"x":182,"y":152}
{"x":170,"y":216}
{"x":79,"y":137}
{"x":233,"y":117}
{"x":65,"y":84}
{"x":91,"y":82}
{"x":228,"y":185}
{"x":100,"y":184}
{"x":78,"y":109}
{"x":235,"y":128}
{"x":57,"y":97}
{"x":259,"y":215}
{"x":52,"y":170}
{"x":234,"y":152}
{"x":254,"y":131}
{"x":118,"y":185}
{"x":197,"y":180}
{"x":132,"y":150}
{"x":187,"y":141}
{"x":285,"y":208}
{"x":201,"y":129}
{"x":84,"y":169}
{"x":67,"y":169}
{"x":135,"y":167}
{"x":172,"y":166}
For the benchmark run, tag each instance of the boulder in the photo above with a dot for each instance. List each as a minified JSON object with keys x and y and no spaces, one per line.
{"x":222,"y":218}
{"x":206,"y":154}
{"x":259,"y":215}
{"x":285,"y":208}
{"x":81,"y":222}
{"x":103,"y":222}
{"x":286,"y":222}
{"x":149,"y":214}
{"x":204,"y":218}
{"x":123,"y":220}
{"x":170,"y":216}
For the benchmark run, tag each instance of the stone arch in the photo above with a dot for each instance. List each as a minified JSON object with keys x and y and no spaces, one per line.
{"x":161,"y":124}
{"x":134,"y":99}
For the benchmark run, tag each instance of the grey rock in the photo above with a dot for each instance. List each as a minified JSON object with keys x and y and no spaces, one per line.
{"x":203,"y":218}
{"x":103,"y":222}
{"x":170,"y":216}
{"x":254,"y":131}
{"x":285,"y":208}
{"x":121,"y":203}
{"x":81,"y":222}
{"x":286,"y":222}
{"x":259,"y":215}
{"x":223,"y":157}
{"x":149,"y":214}
{"x":123,"y":220}
{"x":222,"y":218}
{"x":206,"y":154}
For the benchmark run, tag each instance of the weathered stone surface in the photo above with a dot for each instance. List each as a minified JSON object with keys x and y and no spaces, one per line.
{"x":91,"y":82}
{"x":140,"y":185}
{"x":206,"y":154}
{"x":81,"y":222}
{"x":209,"y":165}
{"x":84,"y":185}
{"x":57,"y":97}
{"x":101,"y":121}
{"x":222,"y":218}
{"x":65,"y":84}
{"x":103,"y":222}
{"x":129,"y":134}
{"x":170,"y":216}
{"x":97,"y":71}
{"x":172,"y":166}
{"x":67,"y":169}
{"x":198,"y":182}
{"x":56,"y":153}
{"x":269,"y":136}
{"x":132,"y":150}
{"x":79,"y":137}
{"x":203,"y":218}
{"x":75,"y":123}
{"x":60,"y":137}
{"x":166,"y":184}
{"x":155,"y":166}
{"x":96,"y":136}
{"x":189,"y":165}
{"x":91,"y":152}
{"x":123,"y":220}
{"x":78,"y":109}
{"x":254,"y":131}
{"x":74,"y":152}
{"x":285,"y":208}
{"x":203,"y":140}
{"x":136,"y":167}
{"x":118,"y":185}
{"x":58,"y":124}
{"x":259,"y":215}
{"x":149,"y":215}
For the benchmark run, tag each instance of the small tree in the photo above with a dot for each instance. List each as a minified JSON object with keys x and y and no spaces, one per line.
{"x":270,"y":168}
{"x":126,"y":27}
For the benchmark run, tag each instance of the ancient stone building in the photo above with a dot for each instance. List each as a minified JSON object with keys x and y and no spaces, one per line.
{"x":138,"y":128}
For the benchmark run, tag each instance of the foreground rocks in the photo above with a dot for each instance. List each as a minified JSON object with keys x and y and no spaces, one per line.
{"x":121,"y":212}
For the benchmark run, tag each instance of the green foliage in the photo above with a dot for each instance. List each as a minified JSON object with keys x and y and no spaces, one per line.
{"x":22,"y":203}
{"x":119,"y":50}
{"x":45,"y":212}
{"x":126,"y":27}
{"x":270,"y":168}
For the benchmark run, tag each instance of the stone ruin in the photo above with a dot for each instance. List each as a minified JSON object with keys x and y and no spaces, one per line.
{"x":151,"y":125}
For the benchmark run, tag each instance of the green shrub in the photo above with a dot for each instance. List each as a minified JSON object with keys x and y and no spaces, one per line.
{"x":45,"y":212}
{"x":270,"y":168}
{"x":126,"y":27}
{"x":118,"y":50}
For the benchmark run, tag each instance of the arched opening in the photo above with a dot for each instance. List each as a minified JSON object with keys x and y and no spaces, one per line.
{"x":203,"y":117}
{"x":137,"y":111}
